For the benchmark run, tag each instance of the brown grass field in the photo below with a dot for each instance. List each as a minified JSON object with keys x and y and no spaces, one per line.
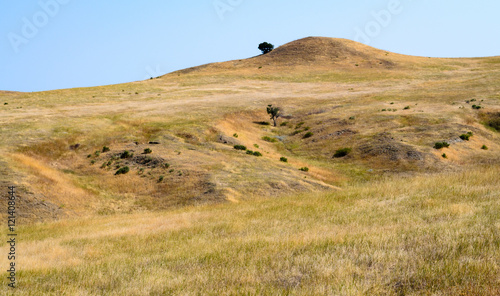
{"x":195,"y":216}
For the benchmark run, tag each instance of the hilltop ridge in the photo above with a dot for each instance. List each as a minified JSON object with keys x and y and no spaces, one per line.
{"x":316,"y":53}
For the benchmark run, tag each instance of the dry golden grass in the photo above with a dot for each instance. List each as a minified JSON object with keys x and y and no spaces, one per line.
{"x":392,"y":218}
{"x":429,"y":234}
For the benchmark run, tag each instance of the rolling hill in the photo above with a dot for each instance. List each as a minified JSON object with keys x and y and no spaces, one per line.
{"x":389,"y":109}
{"x":175,"y":134}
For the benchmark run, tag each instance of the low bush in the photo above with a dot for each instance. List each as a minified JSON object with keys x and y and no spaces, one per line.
{"x":308,"y":135}
{"x":269,"y":139}
{"x":440,"y":145}
{"x":444,"y":155}
{"x":466,"y":136}
{"x":342,"y":152}
{"x":250,"y":152}
{"x":105,"y":149}
{"x":284,"y":159}
{"x":126,"y":154}
{"x":122,"y":171}
{"x":304,"y":169}
{"x":299,"y":124}
{"x":484,"y":147}
{"x":240,"y":147}
{"x":148,"y":151}
{"x":257,"y":153}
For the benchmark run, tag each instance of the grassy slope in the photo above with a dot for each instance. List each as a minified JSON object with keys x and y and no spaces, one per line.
{"x":417,"y":236}
{"x":278,"y":244}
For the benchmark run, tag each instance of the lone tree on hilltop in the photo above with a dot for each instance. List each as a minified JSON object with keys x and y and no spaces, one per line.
{"x":266,"y":47}
{"x":274,"y":112}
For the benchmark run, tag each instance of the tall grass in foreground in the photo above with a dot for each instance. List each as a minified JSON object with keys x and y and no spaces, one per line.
{"x":425,"y":235}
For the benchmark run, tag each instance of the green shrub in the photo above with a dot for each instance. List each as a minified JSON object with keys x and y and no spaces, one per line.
{"x":383,"y":110}
{"x":161,"y":179}
{"x":342,"y":152}
{"x":235,"y":135}
{"x":299,"y":124}
{"x":257,"y":153}
{"x":444,"y":155}
{"x":166,"y":165}
{"x":476,"y":107}
{"x":465,"y":137}
{"x":126,"y":154}
{"x":148,"y":151}
{"x":269,"y":139}
{"x":122,"y":171}
{"x":97,"y":153}
{"x":240,"y":147}
{"x":406,"y":108}
{"x":304,"y":169}
{"x":352,"y":117}
{"x":308,"y":135}
{"x":439,"y":145}
{"x":250,"y":152}
{"x":284,"y":123}
{"x":256,"y":146}
{"x":484,"y":147}
{"x":89,"y":156}
{"x":284,"y":159}
{"x":296,"y":132}
{"x":105,"y":149}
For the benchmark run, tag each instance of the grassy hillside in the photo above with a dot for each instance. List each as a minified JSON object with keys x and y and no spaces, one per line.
{"x":377,"y":210}
{"x":431,"y":234}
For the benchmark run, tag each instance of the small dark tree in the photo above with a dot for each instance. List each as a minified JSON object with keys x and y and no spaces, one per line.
{"x":274,"y":112}
{"x":266,"y":47}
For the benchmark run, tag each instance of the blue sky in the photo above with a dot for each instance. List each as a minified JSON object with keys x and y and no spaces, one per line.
{"x":53,"y":44}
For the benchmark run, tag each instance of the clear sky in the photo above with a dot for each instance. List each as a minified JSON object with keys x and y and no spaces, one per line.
{"x":53,"y":44}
